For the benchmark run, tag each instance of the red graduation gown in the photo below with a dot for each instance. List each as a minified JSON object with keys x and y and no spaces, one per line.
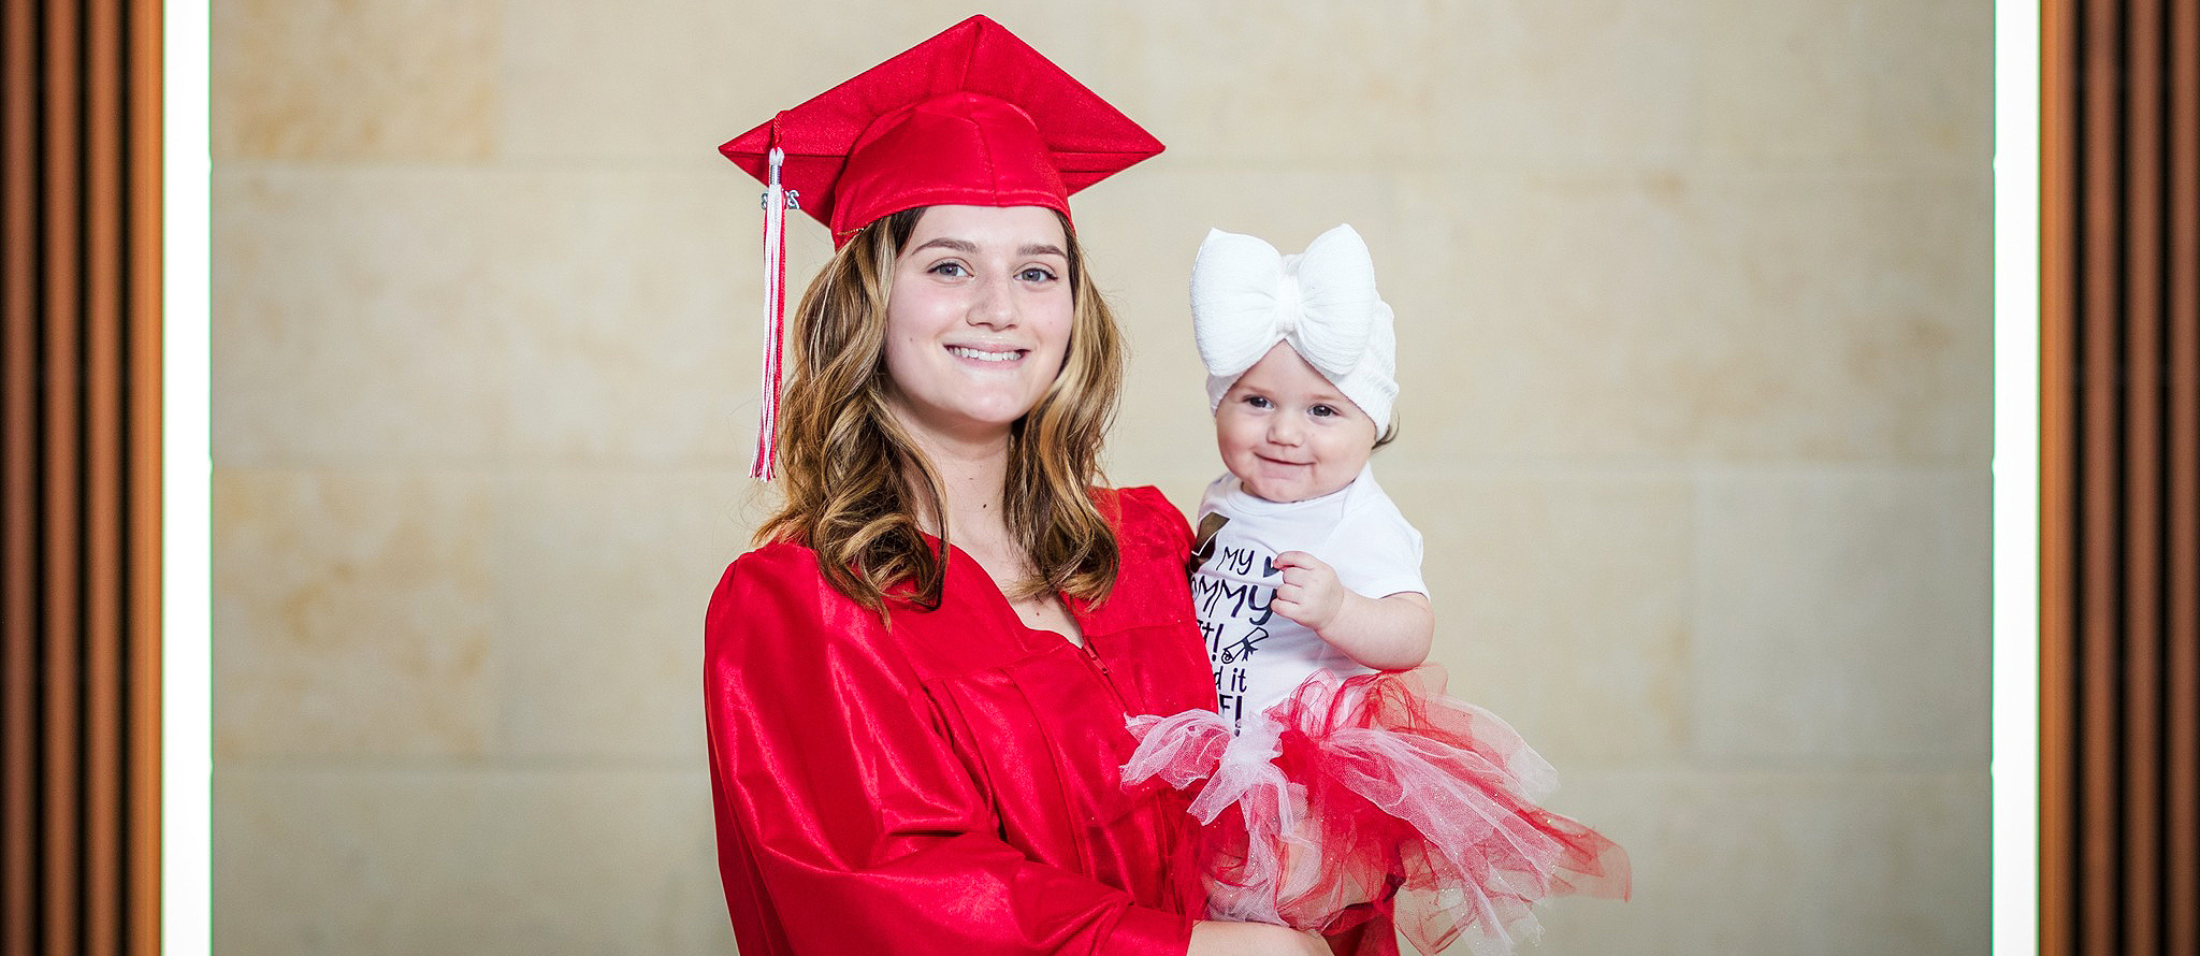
{"x":950,"y":785}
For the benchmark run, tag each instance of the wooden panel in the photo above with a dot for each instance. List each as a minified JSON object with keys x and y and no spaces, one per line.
{"x":2120,"y":477}
{"x":103,"y":632}
{"x":19,"y":782}
{"x":2141,"y":145}
{"x":63,"y":458}
{"x":79,"y":526}
{"x":144,"y":316}
{"x":2058,"y":474}
{"x":2098,"y":559}
{"x":2182,"y":870}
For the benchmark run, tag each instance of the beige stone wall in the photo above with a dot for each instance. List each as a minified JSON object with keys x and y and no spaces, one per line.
{"x":1694,"y":304}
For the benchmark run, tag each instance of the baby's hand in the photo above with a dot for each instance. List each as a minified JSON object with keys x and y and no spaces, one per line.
{"x":1310,"y":593}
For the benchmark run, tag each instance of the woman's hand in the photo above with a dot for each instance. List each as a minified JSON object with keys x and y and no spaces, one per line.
{"x":1216,"y":938}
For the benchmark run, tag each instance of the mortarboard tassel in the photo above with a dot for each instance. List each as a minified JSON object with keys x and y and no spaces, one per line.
{"x":777,"y":200}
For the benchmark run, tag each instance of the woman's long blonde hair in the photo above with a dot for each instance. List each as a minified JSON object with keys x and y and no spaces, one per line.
{"x":855,"y":483}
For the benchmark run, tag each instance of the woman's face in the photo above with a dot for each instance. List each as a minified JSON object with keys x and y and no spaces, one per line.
{"x":978,"y":320}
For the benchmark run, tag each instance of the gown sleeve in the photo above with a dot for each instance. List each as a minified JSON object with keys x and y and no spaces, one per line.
{"x":846,"y":824}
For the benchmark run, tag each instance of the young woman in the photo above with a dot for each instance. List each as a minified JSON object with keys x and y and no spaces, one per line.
{"x":917,"y":686}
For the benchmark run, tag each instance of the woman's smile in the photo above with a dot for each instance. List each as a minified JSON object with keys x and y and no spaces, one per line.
{"x":988,"y":356}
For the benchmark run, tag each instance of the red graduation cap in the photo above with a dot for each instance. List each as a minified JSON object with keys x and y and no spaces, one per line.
{"x":973,"y":116}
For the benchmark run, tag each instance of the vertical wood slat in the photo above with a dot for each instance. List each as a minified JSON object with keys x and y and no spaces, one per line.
{"x":80,"y":117}
{"x":2182,"y":870}
{"x":144,"y":184}
{"x":103,"y":625}
{"x":2097,"y":477}
{"x":2058,"y":477}
{"x":18,"y":402}
{"x":2140,"y":491}
{"x":63,"y":460}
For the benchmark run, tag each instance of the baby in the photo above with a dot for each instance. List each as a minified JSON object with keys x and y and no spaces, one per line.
{"x":1341,"y":783}
{"x":1306,"y":562}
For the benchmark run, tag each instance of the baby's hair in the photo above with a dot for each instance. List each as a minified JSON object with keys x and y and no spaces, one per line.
{"x":1390,"y":434}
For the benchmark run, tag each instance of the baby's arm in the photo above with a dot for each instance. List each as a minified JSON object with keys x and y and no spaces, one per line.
{"x":1386,"y":633}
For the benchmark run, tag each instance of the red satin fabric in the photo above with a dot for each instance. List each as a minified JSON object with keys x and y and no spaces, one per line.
{"x":949,"y":784}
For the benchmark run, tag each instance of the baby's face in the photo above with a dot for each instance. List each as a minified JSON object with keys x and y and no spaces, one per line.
{"x":1289,"y":434}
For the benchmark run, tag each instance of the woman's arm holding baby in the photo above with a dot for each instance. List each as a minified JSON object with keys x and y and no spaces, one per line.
{"x":1386,"y":633}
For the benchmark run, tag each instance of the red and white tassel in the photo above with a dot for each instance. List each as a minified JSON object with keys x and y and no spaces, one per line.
{"x":777,"y":200}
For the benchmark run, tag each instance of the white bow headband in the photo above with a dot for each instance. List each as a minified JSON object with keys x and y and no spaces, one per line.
{"x":1246,"y":297}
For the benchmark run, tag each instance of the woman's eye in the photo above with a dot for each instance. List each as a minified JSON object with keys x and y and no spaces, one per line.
{"x":1036,"y":274}
{"x":952,"y":270}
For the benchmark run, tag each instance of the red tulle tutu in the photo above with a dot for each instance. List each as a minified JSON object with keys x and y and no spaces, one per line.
{"x":1376,"y":794}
